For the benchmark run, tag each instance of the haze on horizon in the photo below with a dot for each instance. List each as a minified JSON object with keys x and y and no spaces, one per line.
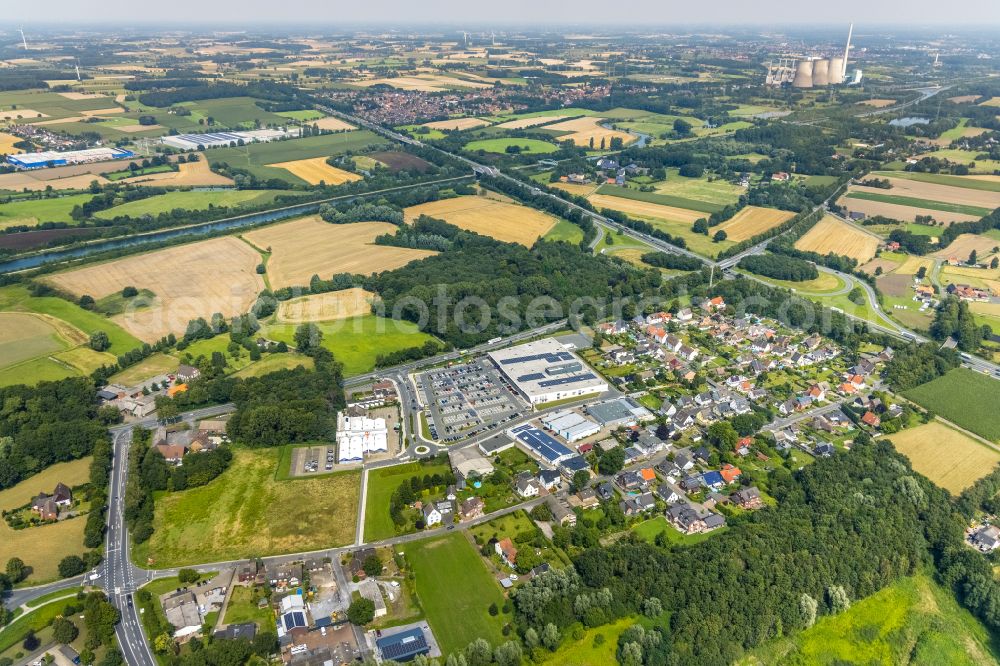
{"x":235,"y":13}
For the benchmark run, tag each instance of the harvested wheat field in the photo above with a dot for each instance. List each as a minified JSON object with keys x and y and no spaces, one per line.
{"x":508,"y":222}
{"x":587,"y":128}
{"x":195,"y":174}
{"x":331,"y":123}
{"x":833,"y":235}
{"x":963,"y":99}
{"x":992,"y":101}
{"x":189,"y":281}
{"x":309,"y":246}
{"x":898,"y":211}
{"x":644,"y":208}
{"x":315,"y":171}
{"x":137,"y":128}
{"x":965,"y":196}
{"x":7,"y":142}
{"x":21,"y":114}
{"x":962,"y":246}
{"x":753,"y":220}
{"x":948,"y":457}
{"x":575,"y":188}
{"x":25,"y":180}
{"x":525,"y":123}
{"x":80,"y":95}
{"x":886,"y":265}
{"x":878,"y":103}
{"x":914,"y":263}
{"x":457,"y":124}
{"x":325,"y":307}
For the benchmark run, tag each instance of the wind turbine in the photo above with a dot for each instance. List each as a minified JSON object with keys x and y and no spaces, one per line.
{"x":23,"y":40}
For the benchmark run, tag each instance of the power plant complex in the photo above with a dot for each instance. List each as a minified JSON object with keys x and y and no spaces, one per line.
{"x":811,"y":72}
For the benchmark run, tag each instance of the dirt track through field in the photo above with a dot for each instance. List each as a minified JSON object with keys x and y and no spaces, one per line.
{"x":839,"y":237}
{"x":189,"y":281}
{"x":309,"y":246}
{"x":508,"y":222}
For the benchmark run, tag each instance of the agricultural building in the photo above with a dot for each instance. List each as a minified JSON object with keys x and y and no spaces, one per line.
{"x":543,"y":371}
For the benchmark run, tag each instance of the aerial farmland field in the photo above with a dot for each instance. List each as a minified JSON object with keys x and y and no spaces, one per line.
{"x":315,"y":170}
{"x":188,"y":281}
{"x":965,"y":397}
{"x":839,"y":237}
{"x":752,"y":221}
{"x":946,"y":456}
{"x":587,"y":132}
{"x":309,"y":246}
{"x":508,"y":222}
{"x":325,"y":307}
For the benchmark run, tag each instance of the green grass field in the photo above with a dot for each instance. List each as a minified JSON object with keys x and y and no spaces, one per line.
{"x":233,"y":112}
{"x":246,"y":512}
{"x":32,"y":212}
{"x":915,"y":621}
{"x":585,"y":652}
{"x":967,"y":398}
{"x":564,"y":231}
{"x":357,"y":341}
{"x":191,"y":200}
{"x":126,"y":173}
{"x":304,"y":114}
{"x":528,"y":146}
{"x":382,"y":483}
{"x":967,"y":157}
{"x":943,"y":179}
{"x":920,"y":203}
{"x":35,"y":621}
{"x":662,"y":199}
{"x":720,"y":192}
{"x":325,"y":145}
{"x":243,"y":608}
{"x":274,"y":362}
{"x":455,"y":589}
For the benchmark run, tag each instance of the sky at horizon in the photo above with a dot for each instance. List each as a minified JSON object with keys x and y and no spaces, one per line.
{"x":509,"y":12}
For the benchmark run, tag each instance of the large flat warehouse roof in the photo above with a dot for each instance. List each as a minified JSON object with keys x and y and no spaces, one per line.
{"x":545,"y":367}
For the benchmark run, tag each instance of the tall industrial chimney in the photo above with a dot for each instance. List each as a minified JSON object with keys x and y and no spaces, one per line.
{"x":847,"y":52}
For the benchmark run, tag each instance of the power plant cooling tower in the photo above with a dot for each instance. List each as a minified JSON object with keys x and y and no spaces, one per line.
{"x":821,"y":73}
{"x":803,"y":74}
{"x":836,"y":71}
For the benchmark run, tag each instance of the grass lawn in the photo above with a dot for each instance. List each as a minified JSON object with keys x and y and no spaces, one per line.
{"x":246,"y":512}
{"x":274,"y":362}
{"x":455,"y":589}
{"x":324,"y":145}
{"x":965,"y":157}
{"x":56,"y":594}
{"x":35,"y":211}
{"x":914,"y":621}
{"x":584,"y":652}
{"x":304,"y":114}
{"x":243,"y":607}
{"x":382,"y":483}
{"x":965,"y":397}
{"x":357,"y":341}
{"x":233,"y":112}
{"x":920,"y":203}
{"x":191,"y":200}
{"x":128,"y":173}
{"x":151,"y":366}
{"x":718,"y":191}
{"x":648,"y":530}
{"x":17,"y":298}
{"x":500,"y":146}
{"x":825,"y":283}
{"x":36,"y":620}
{"x":565,"y":231}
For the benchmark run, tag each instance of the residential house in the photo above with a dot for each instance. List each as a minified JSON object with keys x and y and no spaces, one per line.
{"x":45,"y":507}
{"x":561,"y":514}
{"x":685,"y":316}
{"x":587,"y":499}
{"x":713,"y":480}
{"x":506,"y":550}
{"x":986,"y":539}
{"x":172,"y":453}
{"x":247,"y":572}
{"x":684,"y":517}
{"x":288,"y":575}
{"x":748,"y":498}
{"x":824,"y":449}
{"x":358,"y":561}
{"x":472,"y":508}
{"x":550,"y":479}
{"x":871,"y":419}
{"x":431,"y":514}
{"x":630,"y":481}
{"x":669,"y":493}
{"x":526,"y":486}
{"x":730,"y":473}
{"x":605,"y":491}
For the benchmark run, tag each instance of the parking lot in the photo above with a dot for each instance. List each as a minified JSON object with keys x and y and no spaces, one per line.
{"x":466,"y":400}
{"x":307,"y":460}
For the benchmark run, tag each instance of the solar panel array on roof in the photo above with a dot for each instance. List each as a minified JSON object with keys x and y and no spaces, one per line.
{"x":541,"y":443}
{"x":532,"y":377}
{"x":566,"y":380}
{"x":404,"y":645}
{"x":547,"y":357}
{"x":294,"y":620}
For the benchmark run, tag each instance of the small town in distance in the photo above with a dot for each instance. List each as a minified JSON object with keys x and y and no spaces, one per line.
{"x":478,"y":340}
